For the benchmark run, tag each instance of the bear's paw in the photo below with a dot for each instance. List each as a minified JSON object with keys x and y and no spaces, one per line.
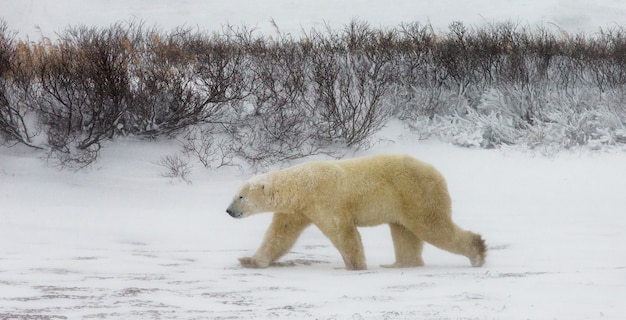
{"x":251,"y":262}
{"x":479,"y":249}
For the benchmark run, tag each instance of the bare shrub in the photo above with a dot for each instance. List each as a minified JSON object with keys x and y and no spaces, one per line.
{"x":213,"y":150}
{"x":277,"y":126}
{"x":249,"y":142}
{"x":419,"y":90}
{"x":219,"y":71}
{"x":186,"y":78}
{"x":176,"y":167}
{"x":70,"y":157}
{"x":607,"y":57}
{"x":350,"y":84}
{"x":84,"y":89}
{"x":16,"y":124}
{"x":454,"y":55}
{"x":164,"y":98}
{"x":232,"y":95}
{"x":201,"y":144}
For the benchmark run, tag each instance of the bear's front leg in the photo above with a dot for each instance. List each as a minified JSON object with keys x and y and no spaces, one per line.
{"x":279,"y":238}
{"x":351,"y":248}
{"x":348,"y":241}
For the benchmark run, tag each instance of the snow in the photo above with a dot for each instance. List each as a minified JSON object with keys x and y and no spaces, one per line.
{"x":120,"y":241}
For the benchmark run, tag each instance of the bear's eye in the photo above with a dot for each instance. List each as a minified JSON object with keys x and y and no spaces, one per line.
{"x":240,"y":197}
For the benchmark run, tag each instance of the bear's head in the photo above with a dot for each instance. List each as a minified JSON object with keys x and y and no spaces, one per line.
{"x":255,"y":196}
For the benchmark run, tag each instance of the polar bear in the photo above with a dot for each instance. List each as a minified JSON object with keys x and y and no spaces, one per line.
{"x":338,"y":196}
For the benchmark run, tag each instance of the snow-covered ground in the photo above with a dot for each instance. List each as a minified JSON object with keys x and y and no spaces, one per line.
{"x":119,"y":241}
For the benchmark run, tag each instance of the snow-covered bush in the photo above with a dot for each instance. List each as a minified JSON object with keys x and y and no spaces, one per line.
{"x":234,"y":95}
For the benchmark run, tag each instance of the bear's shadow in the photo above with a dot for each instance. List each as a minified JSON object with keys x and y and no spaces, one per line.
{"x":297,"y":262}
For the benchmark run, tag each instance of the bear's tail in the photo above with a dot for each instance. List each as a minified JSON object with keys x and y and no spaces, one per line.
{"x":479,"y":251}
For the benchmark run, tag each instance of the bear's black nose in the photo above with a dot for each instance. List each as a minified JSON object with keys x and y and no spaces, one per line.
{"x":232,"y":213}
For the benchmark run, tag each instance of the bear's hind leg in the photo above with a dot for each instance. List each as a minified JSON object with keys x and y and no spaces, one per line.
{"x":407,"y":246}
{"x":459,"y":241}
{"x":279,"y":238}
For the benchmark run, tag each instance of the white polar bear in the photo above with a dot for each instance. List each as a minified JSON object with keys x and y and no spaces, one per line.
{"x":338,"y":196}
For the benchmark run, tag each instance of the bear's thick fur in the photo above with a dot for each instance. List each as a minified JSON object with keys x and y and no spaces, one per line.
{"x":338,"y":196}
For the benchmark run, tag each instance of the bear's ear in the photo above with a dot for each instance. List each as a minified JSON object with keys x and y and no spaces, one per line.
{"x":266,"y":188}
